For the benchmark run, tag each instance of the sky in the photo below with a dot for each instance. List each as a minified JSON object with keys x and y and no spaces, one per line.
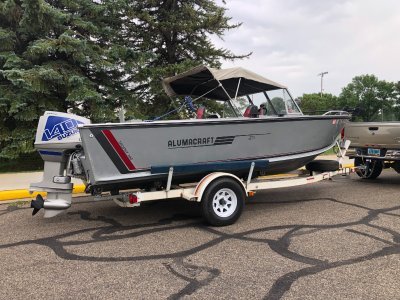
{"x":292,"y":41}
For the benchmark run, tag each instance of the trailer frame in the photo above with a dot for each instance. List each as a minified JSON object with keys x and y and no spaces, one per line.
{"x":195,"y":191}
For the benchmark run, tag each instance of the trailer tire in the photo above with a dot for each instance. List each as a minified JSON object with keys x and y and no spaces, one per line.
{"x":222,"y":202}
{"x":323,"y":165}
{"x":374,"y":168}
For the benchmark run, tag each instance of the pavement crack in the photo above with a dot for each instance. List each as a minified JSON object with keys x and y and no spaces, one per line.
{"x":195,"y":276}
{"x":370,"y":236}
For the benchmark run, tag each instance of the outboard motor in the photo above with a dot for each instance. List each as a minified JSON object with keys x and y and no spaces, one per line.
{"x":58,"y":143}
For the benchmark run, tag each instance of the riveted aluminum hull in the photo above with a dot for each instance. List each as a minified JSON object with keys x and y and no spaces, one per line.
{"x":122,"y":154}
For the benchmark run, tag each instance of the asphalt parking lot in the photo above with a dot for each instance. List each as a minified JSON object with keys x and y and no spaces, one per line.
{"x":331,"y":240}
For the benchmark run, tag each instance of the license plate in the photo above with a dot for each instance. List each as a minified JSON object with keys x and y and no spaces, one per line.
{"x":374,"y":152}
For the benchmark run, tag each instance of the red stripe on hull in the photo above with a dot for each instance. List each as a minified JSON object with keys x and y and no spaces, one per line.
{"x":117,"y":147}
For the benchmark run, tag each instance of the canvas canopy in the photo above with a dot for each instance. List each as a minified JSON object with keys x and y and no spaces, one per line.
{"x":200,"y":80}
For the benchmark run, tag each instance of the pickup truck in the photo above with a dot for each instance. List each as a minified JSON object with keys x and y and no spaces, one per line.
{"x":374,"y":146}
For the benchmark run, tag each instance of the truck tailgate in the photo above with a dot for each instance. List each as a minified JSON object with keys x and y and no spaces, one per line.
{"x":373,"y":134}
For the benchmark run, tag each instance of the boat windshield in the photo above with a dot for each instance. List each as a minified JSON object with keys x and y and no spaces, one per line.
{"x":275,"y":102}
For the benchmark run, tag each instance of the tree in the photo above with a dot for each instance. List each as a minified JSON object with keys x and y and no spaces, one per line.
{"x":396,"y":106}
{"x":373,"y":96}
{"x":278,"y":104}
{"x":315,"y":104}
{"x":93,"y":57}
{"x":177,"y":34}
{"x":64,"y":55}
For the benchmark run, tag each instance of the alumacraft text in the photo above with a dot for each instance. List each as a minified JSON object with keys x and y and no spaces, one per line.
{"x":191,"y":142}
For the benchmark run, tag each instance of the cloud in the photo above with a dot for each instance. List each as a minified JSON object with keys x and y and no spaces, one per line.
{"x":294,"y":40}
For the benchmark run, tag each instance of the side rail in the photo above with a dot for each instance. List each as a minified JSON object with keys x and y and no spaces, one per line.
{"x":268,"y":184}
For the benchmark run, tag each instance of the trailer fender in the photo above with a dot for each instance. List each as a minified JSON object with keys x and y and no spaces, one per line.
{"x":203,"y":184}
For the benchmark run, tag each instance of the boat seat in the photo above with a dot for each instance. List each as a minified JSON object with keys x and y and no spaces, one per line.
{"x":213,"y":116}
{"x":251,"y":112}
{"x":262,"y":111}
{"x":201,"y":112}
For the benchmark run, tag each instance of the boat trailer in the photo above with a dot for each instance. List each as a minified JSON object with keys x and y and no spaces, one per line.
{"x":221,"y":194}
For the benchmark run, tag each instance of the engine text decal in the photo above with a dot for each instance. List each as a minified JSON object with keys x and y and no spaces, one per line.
{"x":60,"y":128}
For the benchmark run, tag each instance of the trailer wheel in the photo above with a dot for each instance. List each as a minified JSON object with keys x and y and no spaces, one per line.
{"x":222,"y":202}
{"x":373,"y":168}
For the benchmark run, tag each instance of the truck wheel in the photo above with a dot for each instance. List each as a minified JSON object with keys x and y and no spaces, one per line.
{"x":396,"y":166}
{"x":222,"y":202}
{"x":373,"y":168}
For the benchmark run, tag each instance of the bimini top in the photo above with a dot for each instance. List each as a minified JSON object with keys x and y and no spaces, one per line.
{"x":203,"y":80}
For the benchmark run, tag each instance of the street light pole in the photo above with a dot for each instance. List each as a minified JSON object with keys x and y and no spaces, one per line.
{"x":322,"y":80}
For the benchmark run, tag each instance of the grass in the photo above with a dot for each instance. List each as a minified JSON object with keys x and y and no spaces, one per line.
{"x":329,"y":152}
{"x":19,"y":203}
{"x":28,"y":162}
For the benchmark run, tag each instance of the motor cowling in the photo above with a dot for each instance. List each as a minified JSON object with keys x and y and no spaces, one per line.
{"x":58,"y":131}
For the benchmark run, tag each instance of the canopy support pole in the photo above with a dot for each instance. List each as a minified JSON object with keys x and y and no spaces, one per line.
{"x":206,"y":93}
{"x":230,"y":99}
{"x":237,"y":89}
{"x":294,"y":101}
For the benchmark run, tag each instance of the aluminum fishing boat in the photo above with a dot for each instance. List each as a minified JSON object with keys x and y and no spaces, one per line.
{"x":251,"y":119}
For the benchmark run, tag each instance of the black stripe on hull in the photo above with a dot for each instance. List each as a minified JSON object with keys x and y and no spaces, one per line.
{"x":110,"y":151}
{"x":224,"y":140}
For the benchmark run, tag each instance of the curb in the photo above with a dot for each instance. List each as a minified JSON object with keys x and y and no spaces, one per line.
{"x":78,"y":189}
{"x":23,"y":194}
{"x":348,"y":166}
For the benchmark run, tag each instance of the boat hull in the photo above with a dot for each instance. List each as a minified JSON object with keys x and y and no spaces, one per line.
{"x":122,"y":155}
